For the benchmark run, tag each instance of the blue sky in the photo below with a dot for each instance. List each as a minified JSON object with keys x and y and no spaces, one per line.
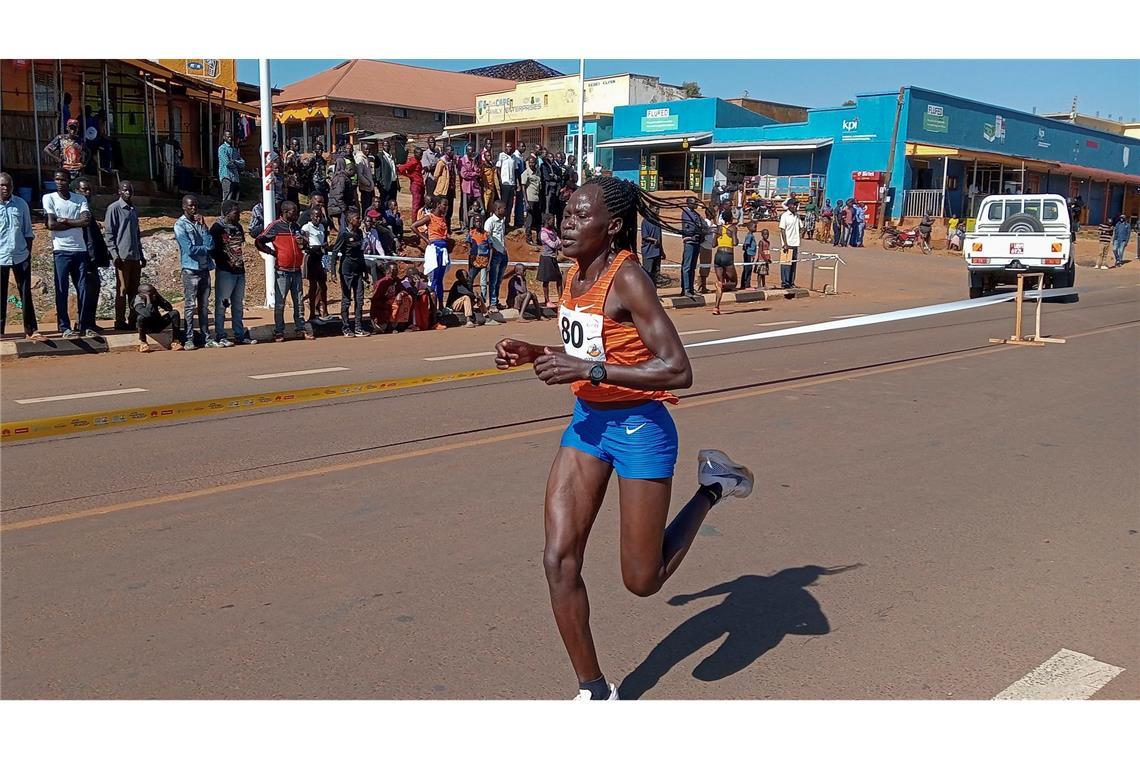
{"x":1110,"y":87}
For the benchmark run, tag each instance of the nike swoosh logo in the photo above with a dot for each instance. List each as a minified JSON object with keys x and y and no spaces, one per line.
{"x":629,"y":431}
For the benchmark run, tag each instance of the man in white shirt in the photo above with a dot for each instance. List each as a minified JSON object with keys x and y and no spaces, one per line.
{"x":790,"y":244}
{"x":508,"y":178}
{"x":67,"y":217}
{"x":495,"y":227}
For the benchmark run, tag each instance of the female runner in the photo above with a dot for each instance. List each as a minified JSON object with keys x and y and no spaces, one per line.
{"x":622,"y":356}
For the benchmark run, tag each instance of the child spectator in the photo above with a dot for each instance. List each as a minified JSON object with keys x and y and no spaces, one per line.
{"x":748,"y":248}
{"x":461,"y":298}
{"x":149,"y":305}
{"x":548,"y":271}
{"x":391,"y":308}
{"x":316,"y":231}
{"x":350,"y":265}
{"x":764,"y":253}
{"x":479,"y":252}
{"x":520,"y":296}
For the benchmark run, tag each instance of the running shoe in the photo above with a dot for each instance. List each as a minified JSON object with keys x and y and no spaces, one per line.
{"x":359,"y":333}
{"x":211,"y":343}
{"x":584,"y":695}
{"x":69,"y":334}
{"x":714,"y":466}
{"x":225,"y":342}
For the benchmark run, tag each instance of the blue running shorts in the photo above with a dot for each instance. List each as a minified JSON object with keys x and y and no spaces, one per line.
{"x":639,"y":441}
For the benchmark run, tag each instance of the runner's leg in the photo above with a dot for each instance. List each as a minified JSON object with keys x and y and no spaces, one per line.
{"x":574,"y":493}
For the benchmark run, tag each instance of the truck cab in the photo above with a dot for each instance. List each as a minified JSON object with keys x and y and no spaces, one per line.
{"x":1016,"y":234}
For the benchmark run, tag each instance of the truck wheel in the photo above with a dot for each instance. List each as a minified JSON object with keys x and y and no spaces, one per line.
{"x":975,"y":292}
{"x":1019,"y":223}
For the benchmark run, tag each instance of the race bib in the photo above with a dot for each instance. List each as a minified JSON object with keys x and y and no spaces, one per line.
{"x":581,"y":334}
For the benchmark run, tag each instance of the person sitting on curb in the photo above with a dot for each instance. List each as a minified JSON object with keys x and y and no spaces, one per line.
{"x":149,"y":305}
{"x":521,"y":297}
{"x":462,"y":299}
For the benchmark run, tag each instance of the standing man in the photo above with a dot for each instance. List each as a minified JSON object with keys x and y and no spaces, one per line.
{"x":67,"y":217}
{"x":469,"y":177}
{"x":446,"y":181}
{"x":99,"y":256}
{"x":230,"y":164}
{"x":314,"y":167}
{"x":125,"y":245}
{"x":365,"y":175}
{"x":413,"y":169}
{"x":389,"y":184}
{"x":229,"y":280}
{"x":531,"y":184}
{"x":1120,"y":234}
{"x":859,"y":223}
{"x":292,"y":169}
{"x":508,"y":180}
{"x":284,"y":242}
{"x":552,"y":176}
{"x":16,"y":236}
{"x":428,"y":159}
{"x":651,"y":250}
{"x":68,"y":150}
{"x":790,"y":244}
{"x":692,"y":232}
{"x":488,"y":172}
{"x":496,"y":229}
{"x":194,"y":246}
{"x":520,"y":166}
{"x":837,"y":225}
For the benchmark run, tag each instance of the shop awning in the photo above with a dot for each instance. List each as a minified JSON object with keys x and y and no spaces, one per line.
{"x":768,"y":146}
{"x":656,"y":141}
{"x":303,"y":112}
{"x":1099,"y":174}
{"x":542,"y":121}
{"x":923,"y":150}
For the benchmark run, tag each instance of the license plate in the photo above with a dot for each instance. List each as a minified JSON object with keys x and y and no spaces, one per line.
{"x":1016,"y":249}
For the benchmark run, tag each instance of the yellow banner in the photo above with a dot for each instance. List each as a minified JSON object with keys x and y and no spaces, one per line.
{"x":219,"y":71}
{"x":302,"y":113}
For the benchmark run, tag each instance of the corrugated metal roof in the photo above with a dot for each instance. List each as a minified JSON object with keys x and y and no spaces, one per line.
{"x":397,"y":84}
{"x":520,"y":71}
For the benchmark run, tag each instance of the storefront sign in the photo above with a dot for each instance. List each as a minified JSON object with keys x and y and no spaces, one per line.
{"x":1041,"y":141}
{"x":994,"y":132}
{"x":554,"y":98}
{"x":659,"y":120}
{"x":935,"y":119}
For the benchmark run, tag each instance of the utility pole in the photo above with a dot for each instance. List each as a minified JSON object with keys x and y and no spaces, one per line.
{"x":267,"y":204}
{"x":581,"y":116}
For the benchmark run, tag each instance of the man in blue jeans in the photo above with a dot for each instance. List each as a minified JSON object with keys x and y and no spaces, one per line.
{"x":67,"y":216}
{"x":229,"y":277}
{"x":194,"y":246}
{"x":692,"y":231}
{"x":495,"y":227}
{"x":1120,"y":234}
{"x":283,"y":241}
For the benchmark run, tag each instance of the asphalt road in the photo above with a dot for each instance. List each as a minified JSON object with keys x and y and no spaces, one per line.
{"x":936,"y":516}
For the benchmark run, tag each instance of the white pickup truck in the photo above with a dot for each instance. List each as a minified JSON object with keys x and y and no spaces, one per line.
{"x":1015,"y":234}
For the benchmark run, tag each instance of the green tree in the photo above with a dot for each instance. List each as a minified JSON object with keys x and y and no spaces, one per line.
{"x":849,"y":102}
{"x":691,"y":89}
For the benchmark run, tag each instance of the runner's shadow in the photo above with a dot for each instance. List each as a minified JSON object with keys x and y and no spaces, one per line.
{"x":756,"y":613}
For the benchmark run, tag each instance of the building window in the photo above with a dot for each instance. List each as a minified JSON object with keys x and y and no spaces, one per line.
{"x":400,"y":113}
{"x":439,"y":117}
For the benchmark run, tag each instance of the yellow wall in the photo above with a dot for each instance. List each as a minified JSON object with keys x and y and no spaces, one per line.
{"x":551,"y":99}
{"x":219,"y":71}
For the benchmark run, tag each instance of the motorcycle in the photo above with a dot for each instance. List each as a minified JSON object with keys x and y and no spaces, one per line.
{"x":762,"y":210}
{"x":892,"y":237}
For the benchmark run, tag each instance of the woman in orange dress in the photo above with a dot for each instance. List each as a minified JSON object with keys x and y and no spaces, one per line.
{"x":622,"y":357}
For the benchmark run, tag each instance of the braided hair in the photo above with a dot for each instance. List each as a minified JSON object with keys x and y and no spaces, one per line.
{"x":626,"y":201}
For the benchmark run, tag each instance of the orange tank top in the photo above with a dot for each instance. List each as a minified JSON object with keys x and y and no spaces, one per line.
{"x":437,"y":228}
{"x":589,"y":334}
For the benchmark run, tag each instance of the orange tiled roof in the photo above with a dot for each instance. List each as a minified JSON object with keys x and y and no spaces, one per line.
{"x":397,"y":84}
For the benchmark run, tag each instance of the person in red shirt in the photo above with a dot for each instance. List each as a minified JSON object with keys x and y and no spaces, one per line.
{"x":414,"y":171}
{"x":283,"y":241}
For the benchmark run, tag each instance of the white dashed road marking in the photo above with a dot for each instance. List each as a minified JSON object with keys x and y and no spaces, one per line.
{"x":1065,"y":675}
{"x":298,"y":372}
{"x":458,"y":356}
{"x":777,"y":324}
{"x":698,"y":332}
{"x":846,"y":316}
{"x":93,"y":394}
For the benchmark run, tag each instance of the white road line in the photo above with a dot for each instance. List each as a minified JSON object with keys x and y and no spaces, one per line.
{"x":698,"y":332}
{"x":458,"y":356}
{"x":93,"y":394}
{"x":1065,"y":675}
{"x":298,"y":372}
{"x":846,"y":316}
{"x":775,"y":324}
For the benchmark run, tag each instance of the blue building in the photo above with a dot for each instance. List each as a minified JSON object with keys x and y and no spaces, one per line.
{"x":929,"y":153}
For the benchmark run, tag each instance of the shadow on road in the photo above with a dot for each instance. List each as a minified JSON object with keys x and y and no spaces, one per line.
{"x":756,"y":613}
